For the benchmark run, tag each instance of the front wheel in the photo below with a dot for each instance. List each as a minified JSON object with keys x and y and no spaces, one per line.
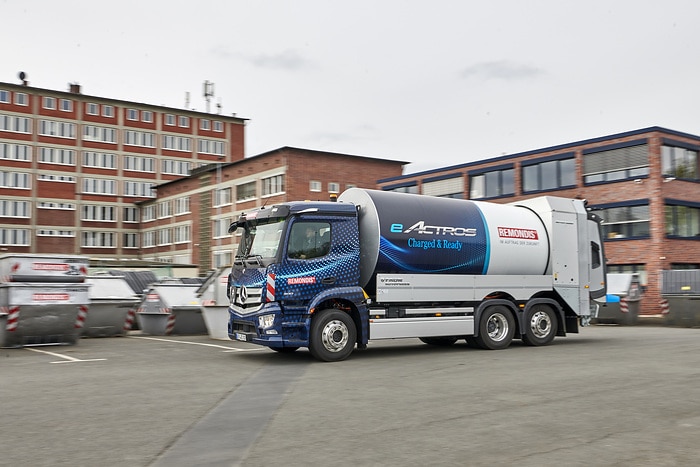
{"x":496,"y":328}
{"x":333,"y":335}
{"x":540,"y":325}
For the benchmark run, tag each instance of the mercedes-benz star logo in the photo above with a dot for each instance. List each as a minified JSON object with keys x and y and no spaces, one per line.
{"x":243,"y":294}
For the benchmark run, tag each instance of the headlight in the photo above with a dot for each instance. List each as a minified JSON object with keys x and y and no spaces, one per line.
{"x":266,"y":321}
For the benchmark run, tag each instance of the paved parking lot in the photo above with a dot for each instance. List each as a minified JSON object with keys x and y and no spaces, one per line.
{"x":608,"y":396}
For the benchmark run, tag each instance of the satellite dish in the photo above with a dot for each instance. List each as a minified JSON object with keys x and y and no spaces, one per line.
{"x":22,"y":75}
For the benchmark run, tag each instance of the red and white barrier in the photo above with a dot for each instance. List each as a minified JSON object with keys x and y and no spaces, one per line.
{"x":82,"y":314}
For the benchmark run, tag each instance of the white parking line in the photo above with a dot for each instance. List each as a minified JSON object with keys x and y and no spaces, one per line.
{"x":227,"y":349}
{"x":66,"y":358}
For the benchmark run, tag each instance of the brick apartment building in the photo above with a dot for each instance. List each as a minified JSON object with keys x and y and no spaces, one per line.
{"x":72,"y":166}
{"x":645,"y":184}
{"x":188,"y":221}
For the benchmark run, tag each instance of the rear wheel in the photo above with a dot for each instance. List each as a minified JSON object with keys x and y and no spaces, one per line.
{"x":496,"y":328}
{"x":333,"y":335}
{"x":540,"y":325}
{"x":439,"y":341}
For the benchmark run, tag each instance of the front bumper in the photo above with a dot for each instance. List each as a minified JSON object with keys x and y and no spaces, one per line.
{"x":288,"y":330}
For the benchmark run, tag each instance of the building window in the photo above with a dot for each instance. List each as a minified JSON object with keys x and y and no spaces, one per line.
{"x":615,"y":163}
{"x":333,"y":187}
{"x":66,"y":105}
{"x":91,"y":239}
{"x":207,"y":146}
{"x":682,"y":219}
{"x":165,"y":236}
{"x":679,"y":162}
{"x":14,"y":180}
{"x":17,"y":152}
{"x":107,"y":111}
{"x":21,"y":99}
{"x":10,"y":208}
{"x":218,"y":126}
{"x":139,"y":164}
{"x":452,"y":187}
{"x":147,"y":116}
{"x":273,"y":185}
{"x":4,"y":96}
{"x":131,"y":240}
{"x":177,"y":143}
{"x":182,"y":205}
{"x":99,"y":186}
{"x":140,"y":138}
{"x":222,"y":196}
{"x":639,"y":269}
{"x":148,"y":213}
{"x":548,"y":174}
{"x":411,"y":188}
{"x":175,"y":167}
{"x":57,"y":129}
{"x":205,"y":124}
{"x":56,"y":178}
{"x":15,"y":124}
{"x":315,"y":185}
{"x":132,"y":114}
{"x":14,"y":237}
{"x":98,"y":212}
{"x":49,"y":103}
{"x":55,"y":233}
{"x":245,"y":192}
{"x":164,"y":209}
{"x":99,"y":159}
{"x":183,"y":121}
{"x":181,"y":234}
{"x":131,"y":214}
{"x":222,"y":259}
{"x":628,"y":220}
{"x":148,"y":239}
{"x":57,"y":156}
{"x":92,"y":109}
{"x":170,"y":119}
{"x":492,"y":183}
{"x":61,"y":206}
{"x":221,"y":226}
{"x":143,"y":189}
{"x":99,"y":133}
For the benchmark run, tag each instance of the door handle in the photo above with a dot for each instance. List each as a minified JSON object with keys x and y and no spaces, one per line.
{"x":328,"y":280}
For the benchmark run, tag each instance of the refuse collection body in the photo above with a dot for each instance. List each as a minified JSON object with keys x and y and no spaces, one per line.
{"x":215,"y":303}
{"x":111,"y":302}
{"x":622,"y":301}
{"x":43,"y":299}
{"x":680,"y":289}
{"x":171,"y":308}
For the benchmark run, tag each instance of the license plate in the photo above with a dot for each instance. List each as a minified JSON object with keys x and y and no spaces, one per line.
{"x":241,"y":337}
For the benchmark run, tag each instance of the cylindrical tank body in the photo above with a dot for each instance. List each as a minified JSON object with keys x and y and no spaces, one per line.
{"x":406,"y":233}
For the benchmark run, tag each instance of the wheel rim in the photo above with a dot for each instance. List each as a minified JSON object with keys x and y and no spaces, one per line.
{"x":497,"y":327}
{"x":335,"y":336}
{"x":540,"y":324}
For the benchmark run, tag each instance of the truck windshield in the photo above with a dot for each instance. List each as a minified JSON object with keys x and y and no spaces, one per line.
{"x":261,"y":240}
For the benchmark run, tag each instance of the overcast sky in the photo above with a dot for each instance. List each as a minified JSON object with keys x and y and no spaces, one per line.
{"x":435,"y":83}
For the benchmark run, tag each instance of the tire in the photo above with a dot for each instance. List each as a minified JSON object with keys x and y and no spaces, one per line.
{"x":439,"y":341}
{"x":285,"y":349}
{"x":496,"y":328}
{"x":540,"y":325}
{"x":333,"y":335}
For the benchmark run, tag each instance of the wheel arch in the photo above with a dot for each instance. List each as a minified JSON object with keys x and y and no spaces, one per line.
{"x":348,"y":300}
{"x":558,"y":312}
{"x":489,"y":302}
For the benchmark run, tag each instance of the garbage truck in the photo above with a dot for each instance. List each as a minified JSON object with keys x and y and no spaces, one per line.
{"x":332,"y":276}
